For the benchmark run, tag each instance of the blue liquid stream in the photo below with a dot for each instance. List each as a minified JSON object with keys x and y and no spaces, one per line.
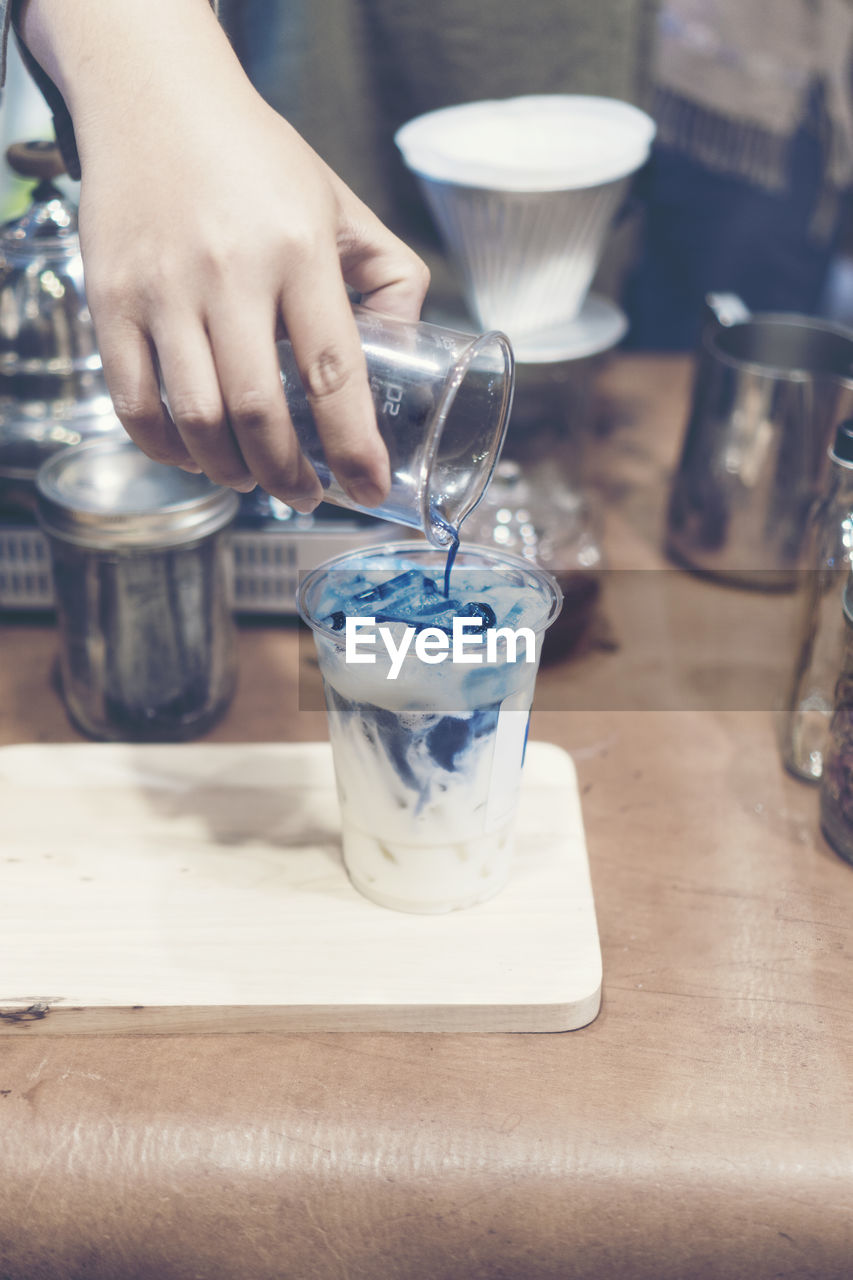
{"x":453,"y":535}
{"x":448,"y":564}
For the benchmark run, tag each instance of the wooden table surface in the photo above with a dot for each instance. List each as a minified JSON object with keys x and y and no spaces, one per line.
{"x":702,"y":1126}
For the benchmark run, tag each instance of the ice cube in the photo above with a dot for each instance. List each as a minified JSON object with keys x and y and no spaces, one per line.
{"x":477,"y":609}
{"x":439,"y":605}
{"x":442,"y":623}
{"x":400,"y":585}
{"x":337,"y":620}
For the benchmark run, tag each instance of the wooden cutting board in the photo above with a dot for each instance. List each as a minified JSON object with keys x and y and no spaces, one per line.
{"x":200,"y":888}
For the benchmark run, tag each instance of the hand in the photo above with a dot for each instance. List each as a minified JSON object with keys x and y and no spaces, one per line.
{"x":207,"y":227}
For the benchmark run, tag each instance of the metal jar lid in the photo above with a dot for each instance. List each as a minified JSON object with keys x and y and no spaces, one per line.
{"x":106,"y":494}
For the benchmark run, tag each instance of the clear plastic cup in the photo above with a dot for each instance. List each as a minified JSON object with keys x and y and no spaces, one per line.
{"x":442,"y":406}
{"x":428,"y":763}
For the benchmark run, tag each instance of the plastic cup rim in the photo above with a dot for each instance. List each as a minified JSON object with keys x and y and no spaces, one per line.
{"x":544,"y":576}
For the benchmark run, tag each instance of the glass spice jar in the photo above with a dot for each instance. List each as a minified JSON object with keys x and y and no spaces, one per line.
{"x":147,"y":640}
{"x":807,"y":705}
{"x":836,"y":784}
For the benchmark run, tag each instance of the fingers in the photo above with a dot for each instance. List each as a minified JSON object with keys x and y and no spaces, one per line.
{"x":258,"y":418}
{"x":391,"y":283}
{"x":195,"y":399}
{"x":131,"y":377}
{"x":386,"y":272}
{"x":326,"y":346}
{"x":227,"y":415}
{"x":250,"y":441}
{"x":212,"y":339}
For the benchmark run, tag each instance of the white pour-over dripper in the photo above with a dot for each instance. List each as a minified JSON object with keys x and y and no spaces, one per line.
{"x":524,"y":192}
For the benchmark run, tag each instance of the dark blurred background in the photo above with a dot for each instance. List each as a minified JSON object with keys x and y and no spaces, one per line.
{"x":749,"y":185}
{"x":748,"y":188}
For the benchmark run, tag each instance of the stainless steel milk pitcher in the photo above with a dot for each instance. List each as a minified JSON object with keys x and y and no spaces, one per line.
{"x":768,"y":393}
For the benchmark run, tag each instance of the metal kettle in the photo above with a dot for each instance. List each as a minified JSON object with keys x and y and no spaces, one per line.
{"x":52,"y":388}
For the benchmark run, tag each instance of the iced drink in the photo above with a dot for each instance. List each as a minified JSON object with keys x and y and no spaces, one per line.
{"x":428,"y":738}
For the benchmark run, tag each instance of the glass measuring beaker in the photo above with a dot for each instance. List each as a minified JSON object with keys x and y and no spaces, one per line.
{"x":442,"y":403}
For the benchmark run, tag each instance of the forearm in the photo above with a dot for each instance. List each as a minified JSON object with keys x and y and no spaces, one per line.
{"x":208,"y":226}
{"x":105,"y":56}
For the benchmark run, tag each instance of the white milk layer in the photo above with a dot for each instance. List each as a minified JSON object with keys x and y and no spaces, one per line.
{"x":428,"y":880}
{"x":421,"y":833}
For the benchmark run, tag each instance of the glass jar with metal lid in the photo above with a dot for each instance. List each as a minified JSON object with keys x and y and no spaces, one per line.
{"x":147,"y":644}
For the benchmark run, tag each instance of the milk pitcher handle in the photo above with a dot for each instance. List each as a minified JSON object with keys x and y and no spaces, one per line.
{"x":725,"y":309}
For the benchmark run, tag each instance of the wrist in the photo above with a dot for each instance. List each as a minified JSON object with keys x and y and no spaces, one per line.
{"x":102,"y":54}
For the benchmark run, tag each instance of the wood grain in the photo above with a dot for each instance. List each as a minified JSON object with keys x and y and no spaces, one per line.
{"x":701,"y":1128}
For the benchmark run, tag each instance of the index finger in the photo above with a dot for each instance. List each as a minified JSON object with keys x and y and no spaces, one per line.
{"x":322,"y":331}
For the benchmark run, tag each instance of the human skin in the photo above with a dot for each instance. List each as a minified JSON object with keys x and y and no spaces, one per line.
{"x":208,"y":227}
